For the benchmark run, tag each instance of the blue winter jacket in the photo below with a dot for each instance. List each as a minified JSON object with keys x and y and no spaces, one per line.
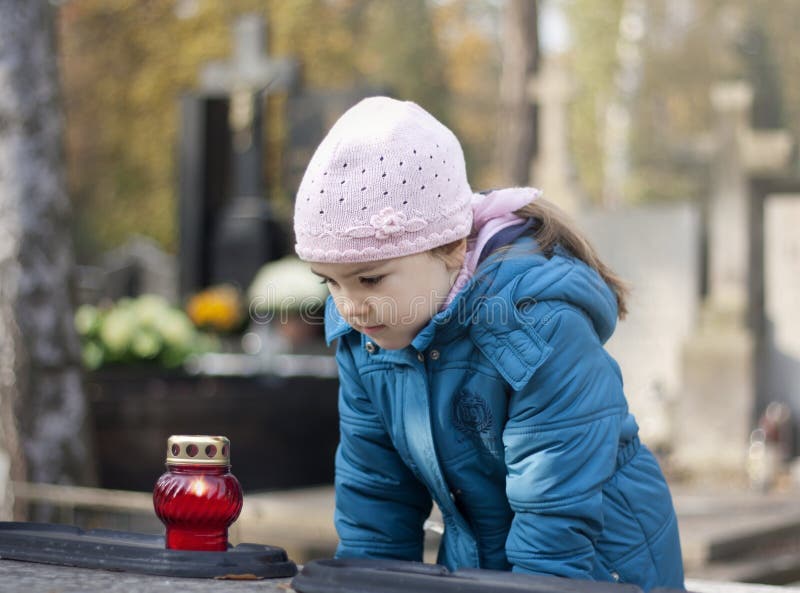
{"x":507,"y":411}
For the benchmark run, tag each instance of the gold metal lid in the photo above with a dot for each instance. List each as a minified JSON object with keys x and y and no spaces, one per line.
{"x":198,"y":450}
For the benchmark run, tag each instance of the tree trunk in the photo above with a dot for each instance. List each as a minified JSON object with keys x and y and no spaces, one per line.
{"x":517,"y":129}
{"x":43,"y":407}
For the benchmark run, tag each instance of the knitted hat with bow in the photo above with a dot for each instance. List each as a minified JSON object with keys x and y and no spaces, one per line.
{"x":388,"y":180}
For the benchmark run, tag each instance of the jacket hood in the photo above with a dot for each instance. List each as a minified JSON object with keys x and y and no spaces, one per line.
{"x":522,"y":275}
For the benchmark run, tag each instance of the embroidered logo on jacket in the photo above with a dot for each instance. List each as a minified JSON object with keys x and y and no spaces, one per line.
{"x":471,"y":413}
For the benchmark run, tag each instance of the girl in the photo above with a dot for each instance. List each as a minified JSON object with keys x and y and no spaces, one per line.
{"x":470,"y":350}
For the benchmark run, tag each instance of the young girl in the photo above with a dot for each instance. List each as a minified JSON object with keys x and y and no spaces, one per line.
{"x":470,"y":349}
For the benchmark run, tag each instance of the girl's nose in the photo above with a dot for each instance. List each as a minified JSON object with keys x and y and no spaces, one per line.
{"x":353,"y":307}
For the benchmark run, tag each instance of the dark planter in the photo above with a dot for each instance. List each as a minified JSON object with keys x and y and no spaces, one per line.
{"x":283,"y":430}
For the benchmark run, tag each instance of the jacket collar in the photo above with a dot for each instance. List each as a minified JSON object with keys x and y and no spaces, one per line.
{"x":335,"y":325}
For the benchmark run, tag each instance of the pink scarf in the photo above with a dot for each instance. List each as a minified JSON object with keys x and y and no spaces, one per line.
{"x":491,"y":213}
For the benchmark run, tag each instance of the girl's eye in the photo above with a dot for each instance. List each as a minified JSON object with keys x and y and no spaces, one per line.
{"x":372,"y":280}
{"x":327,"y":281}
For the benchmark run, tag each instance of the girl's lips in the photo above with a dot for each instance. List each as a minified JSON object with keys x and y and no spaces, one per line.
{"x":372,"y":329}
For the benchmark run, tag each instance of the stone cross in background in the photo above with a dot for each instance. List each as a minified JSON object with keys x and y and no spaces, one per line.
{"x":248,"y":77}
{"x":552,"y":170}
{"x":227,"y":228}
{"x":716,"y":407}
{"x":246,"y":236}
{"x":740,"y":153}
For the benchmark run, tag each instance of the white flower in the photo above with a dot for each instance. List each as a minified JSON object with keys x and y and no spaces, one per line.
{"x":286,"y":285}
{"x":176,"y":329}
{"x":118,"y":329}
{"x":150,"y":309}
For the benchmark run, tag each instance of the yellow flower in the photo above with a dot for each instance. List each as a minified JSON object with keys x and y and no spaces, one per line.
{"x":218,"y":308}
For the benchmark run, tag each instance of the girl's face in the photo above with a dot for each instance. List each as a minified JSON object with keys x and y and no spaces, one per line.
{"x":389,"y":300}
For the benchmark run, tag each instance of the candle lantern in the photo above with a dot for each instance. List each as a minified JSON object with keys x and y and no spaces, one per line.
{"x":197,"y":498}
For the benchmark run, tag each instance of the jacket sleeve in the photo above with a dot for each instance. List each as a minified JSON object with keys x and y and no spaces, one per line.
{"x":561,"y":442}
{"x":380,"y":504}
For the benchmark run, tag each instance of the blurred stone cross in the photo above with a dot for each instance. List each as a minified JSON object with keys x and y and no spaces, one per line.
{"x":246,"y":234}
{"x":552,"y":90}
{"x":720,"y":368}
{"x":740,"y":152}
{"x":248,"y":77}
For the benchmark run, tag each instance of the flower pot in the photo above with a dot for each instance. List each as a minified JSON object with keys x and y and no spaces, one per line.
{"x":283,"y":430}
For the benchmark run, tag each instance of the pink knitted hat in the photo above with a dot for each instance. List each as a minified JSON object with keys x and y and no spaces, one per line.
{"x":388,"y":180}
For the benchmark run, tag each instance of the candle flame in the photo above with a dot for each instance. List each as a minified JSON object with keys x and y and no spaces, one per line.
{"x":199,"y":486}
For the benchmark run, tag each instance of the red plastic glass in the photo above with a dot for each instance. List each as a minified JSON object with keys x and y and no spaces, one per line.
{"x":197,"y":504}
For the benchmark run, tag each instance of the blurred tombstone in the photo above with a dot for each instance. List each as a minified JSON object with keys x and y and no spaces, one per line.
{"x":782,"y":299}
{"x":656,"y":249}
{"x":204,"y":173}
{"x":717,"y":404}
{"x":227,"y":227}
{"x":137,"y":267}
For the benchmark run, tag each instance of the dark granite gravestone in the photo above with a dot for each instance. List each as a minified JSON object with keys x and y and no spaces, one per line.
{"x":204,"y":177}
{"x":227,"y":228}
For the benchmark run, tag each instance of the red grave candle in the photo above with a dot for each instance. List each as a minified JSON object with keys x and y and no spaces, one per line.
{"x":197,"y":498}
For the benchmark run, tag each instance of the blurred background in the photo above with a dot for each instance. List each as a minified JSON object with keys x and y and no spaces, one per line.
{"x":149,"y":155}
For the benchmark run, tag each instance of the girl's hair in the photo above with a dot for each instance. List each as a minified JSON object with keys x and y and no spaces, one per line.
{"x":450,"y":253}
{"x":554,"y":228}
